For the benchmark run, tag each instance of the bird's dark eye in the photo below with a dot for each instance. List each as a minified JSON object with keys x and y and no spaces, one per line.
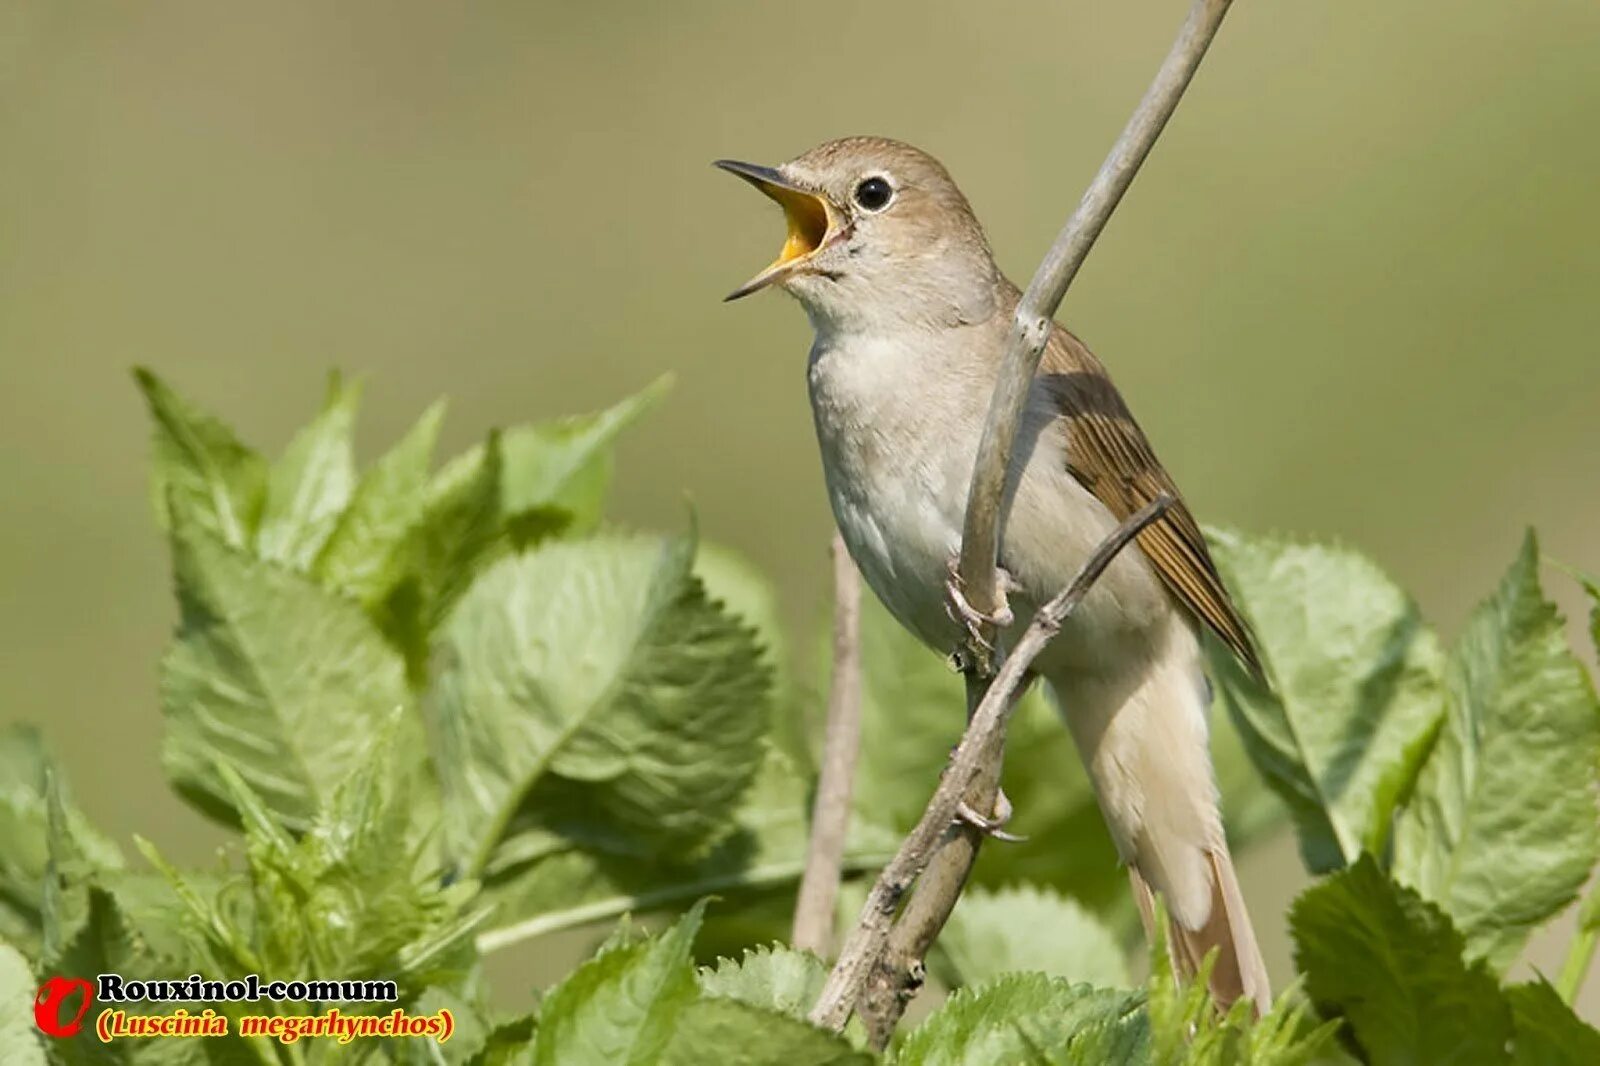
{"x":874,"y":194}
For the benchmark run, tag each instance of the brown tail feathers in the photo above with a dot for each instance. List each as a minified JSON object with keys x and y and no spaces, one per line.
{"x":1239,"y":972}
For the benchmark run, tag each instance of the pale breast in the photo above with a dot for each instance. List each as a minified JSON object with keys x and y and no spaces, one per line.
{"x":898,"y":428}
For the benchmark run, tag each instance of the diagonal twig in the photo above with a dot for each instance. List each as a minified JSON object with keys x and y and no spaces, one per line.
{"x":870,"y":936}
{"x":830,"y":812}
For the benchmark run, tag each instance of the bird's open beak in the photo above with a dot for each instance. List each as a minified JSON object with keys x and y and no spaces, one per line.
{"x":808,"y":216}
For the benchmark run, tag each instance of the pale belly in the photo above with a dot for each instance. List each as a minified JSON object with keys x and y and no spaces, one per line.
{"x":897,"y":475}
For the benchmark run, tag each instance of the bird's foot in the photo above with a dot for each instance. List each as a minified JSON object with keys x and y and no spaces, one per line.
{"x":969,"y":617}
{"x":991,"y":825}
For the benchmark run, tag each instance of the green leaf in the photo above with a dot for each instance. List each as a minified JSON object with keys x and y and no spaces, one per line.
{"x":1356,"y":695}
{"x":350,"y":897}
{"x":1026,"y":928}
{"x":273,"y":676}
{"x":18,"y":1035}
{"x":1510,"y":786}
{"x":1548,"y":1033}
{"x":27,"y":775}
{"x":360,"y":555}
{"x":509,"y":1043}
{"x":200,"y":469}
{"x":620,"y":1007}
{"x":310,"y":485}
{"x":565,"y":886}
{"x":598,"y":673}
{"x":460,"y":532}
{"x":1391,"y":964}
{"x":733,"y":1033}
{"x":566,"y":464}
{"x":772,"y":977}
{"x":557,"y":472}
{"x":736,"y":583}
{"x":1021,"y":1018}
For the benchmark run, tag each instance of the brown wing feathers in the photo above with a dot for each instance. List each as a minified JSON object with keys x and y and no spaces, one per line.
{"x":1109,"y":454}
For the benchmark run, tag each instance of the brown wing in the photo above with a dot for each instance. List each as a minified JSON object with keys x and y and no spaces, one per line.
{"x":1108,"y":453}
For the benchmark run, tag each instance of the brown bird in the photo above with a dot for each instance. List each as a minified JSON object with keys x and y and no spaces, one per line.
{"x":911,"y":317}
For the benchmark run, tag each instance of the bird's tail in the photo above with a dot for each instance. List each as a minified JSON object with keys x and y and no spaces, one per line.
{"x":1143,"y":738}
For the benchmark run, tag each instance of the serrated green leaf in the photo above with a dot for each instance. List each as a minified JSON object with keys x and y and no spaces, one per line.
{"x":1548,"y":1032}
{"x":1357,"y":693}
{"x":565,"y":886}
{"x":773,"y":977}
{"x":1018,"y":1018}
{"x":469,"y":1041}
{"x":99,"y":921}
{"x":461,"y":531}
{"x":597,"y":674}
{"x":350,"y":897}
{"x":567,"y":463}
{"x":26,"y":776}
{"x":1510,"y":786}
{"x":18,"y":1035}
{"x":729,"y":1032}
{"x":200,"y":469}
{"x":509,"y":1044}
{"x":1025,"y":928}
{"x":747,"y":593}
{"x":1391,"y":964}
{"x":360,"y":555}
{"x":620,"y":1007}
{"x":557,"y":472}
{"x":310,"y":485}
{"x":273,"y":676}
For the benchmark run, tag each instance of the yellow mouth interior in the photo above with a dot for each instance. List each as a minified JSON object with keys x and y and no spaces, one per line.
{"x":807,"y":220}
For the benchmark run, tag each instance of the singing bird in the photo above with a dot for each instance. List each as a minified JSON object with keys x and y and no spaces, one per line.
{"x":911,"y":316}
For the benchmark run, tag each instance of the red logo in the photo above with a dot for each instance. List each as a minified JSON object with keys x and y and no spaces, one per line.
{"x":48,"y":1000}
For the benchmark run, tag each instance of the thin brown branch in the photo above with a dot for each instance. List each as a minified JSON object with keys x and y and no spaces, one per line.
{"x":866,"y":943}
{"x":841,"y":744}
{"x":1030,"y":331}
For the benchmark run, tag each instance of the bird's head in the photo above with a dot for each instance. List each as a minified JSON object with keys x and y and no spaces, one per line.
{"x":878,"y":237}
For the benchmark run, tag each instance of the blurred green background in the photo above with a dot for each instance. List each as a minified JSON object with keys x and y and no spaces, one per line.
{"x":1356,"y":292}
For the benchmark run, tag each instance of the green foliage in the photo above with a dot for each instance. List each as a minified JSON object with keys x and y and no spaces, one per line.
{"x":280,"y":680}
{"x":593,"y":689}
{"x":1391,"y":965}
{"x":17,"y":1032}
{"x":640,"y":1003}
{"x":774,"y":977}
{"x":450,"y":711}
{"x":29,"y":785}
{"x":1511,"y":784}
{"x":309,"y":488}
{"x":1187,"y":1029}
{"x":1025,"y":928}
{"x":1021,"y":1018}
{"x":1547,"y":1032}
{"x":1356,"y":689}
{"x":199,"y":470}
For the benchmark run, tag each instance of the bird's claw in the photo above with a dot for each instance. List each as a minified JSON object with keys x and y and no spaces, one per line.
{"x":993,"y":825}
{"x":969,"y":617}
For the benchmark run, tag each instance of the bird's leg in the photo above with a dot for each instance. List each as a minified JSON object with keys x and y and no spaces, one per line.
{"x":969,"y":617}
{"x":991,"y":825}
